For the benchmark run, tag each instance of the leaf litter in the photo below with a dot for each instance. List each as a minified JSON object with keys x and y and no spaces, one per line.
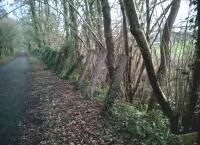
{"x":57,"y":114}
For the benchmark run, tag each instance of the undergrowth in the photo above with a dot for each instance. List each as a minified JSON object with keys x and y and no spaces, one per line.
{"x":6,"y":56}
{"x":136,"y":126}
{"x":131,"y":123}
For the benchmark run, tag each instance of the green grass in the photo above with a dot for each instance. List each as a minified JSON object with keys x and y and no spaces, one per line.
{"x":101,"y":90}
{"x":6,"y":58}
{"x":177,"y":48}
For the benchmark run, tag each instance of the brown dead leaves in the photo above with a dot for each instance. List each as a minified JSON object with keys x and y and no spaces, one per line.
{"x":58,"y":115}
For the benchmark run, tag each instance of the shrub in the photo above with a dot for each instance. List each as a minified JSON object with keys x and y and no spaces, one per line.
{"x":140,"y":127}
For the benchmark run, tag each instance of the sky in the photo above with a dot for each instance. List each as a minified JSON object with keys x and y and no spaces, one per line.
{"x":115,"y":13}
{"x":183,"y":10}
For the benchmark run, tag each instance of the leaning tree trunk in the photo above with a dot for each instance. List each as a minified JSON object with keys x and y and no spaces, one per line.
{"x":74,"y":67}
{"x":74,"y":29}
{"x":114,"y":86}
{"x":83,"y":73}
{"x":166,"y":34}
{"x":96,"y":73}
{"x":128,"y":50}
{"x":47,"y":24}
{"x":165,"y":48}
{"x":66,"y":18}
{"x":59,"y":62}
{"x":99,"y":20}
{"x":108,"y":36}
{"x":195,"y":85}
{"x":137,"y":84}
{"x":165,"y":40}
{"x":88,"y":19}
{"x":138,"y":33}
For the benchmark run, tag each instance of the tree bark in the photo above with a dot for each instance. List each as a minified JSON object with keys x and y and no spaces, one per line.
{"x":99,"y":20}
{"x":108,"y":36}
{"x":137,"y":84}
{"x":35,"y":21}
{"x":128,"y":51}
{"x":88,"y":19}
{"x":66,"y":18}
{"x":141,"y":40}
{"x":47,"y":23}
{"x":165,"y":48}
{"x":74,"y":29}
{"x":114,"y":86}
{"x":73,"y":67}
{"x":83,"y":73}
{"x":96,"y":73}
{"x":195,"y":84}
{"x":148,"y":19}
{"x":165,"y":38}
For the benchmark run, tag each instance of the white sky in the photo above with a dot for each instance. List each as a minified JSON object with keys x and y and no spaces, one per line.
{"x":183,"y":11}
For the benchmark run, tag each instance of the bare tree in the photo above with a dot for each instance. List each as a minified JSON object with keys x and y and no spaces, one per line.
{"x":97,"y":71}
{"x":108,"y":36}
{"x":137,"y":31}
{"x":195,"y":84}
{"x":114,"y":88}
{"x":66,"y":18}
{"x":165,"y":39}
{"x":73,"y":21}
{"x":35,"y":21}
{"x":83,"y":73}
{"x":128,"y":51}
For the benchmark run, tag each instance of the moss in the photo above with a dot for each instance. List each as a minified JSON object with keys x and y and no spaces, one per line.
{"x":189,"y":138}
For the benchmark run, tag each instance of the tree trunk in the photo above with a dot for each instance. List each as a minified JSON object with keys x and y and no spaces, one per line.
{"x":88,"y":19}
{"x":137,"y":32}
{"x":39,"y":22}
{"x":74,"y":29}
{"x":47,"y":24}
{"x":114,"y":86}
{"x":108,"y":36}
{"x":165,"y":38}
{"x":128,"y":50}
{"x":66,"y":18}
{"x":83,"y":73}
{"x":165,"y":48}
{"x":148,"y":19}
{"x":73,"y":67}
{"x":96,"y":73}
{"x":195,"y":84}
{"x":35,"y":21}
{"x":137,"y":84}
{"x":99,"y":20}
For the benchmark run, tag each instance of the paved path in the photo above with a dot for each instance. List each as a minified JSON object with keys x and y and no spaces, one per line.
{"x":13,"y":88}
